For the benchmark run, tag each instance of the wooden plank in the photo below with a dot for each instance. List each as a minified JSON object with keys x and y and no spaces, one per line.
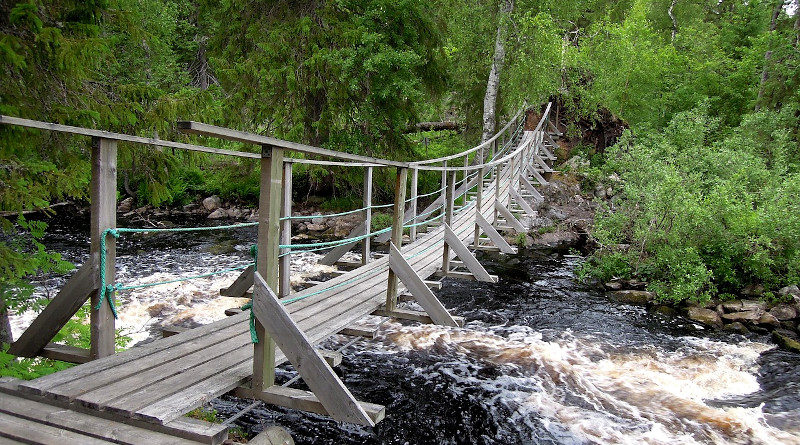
{"x":408,"y":314}
{"x":74,"y":381}
{"x":397,"y":233}
{"x":333,"y":358}
{"x":354,"y":331}
{"x":9,"y":120}
{"x":418,"y":289}
{"x":304,"y":401}
{"x":252,"y":138}
{"x":56,"y":314}
{"x":542,"y":163}
{"x":462,"y":275}
{"x":528,"y":186}
{"x":66,"y":353}
{"x":448,"y":215}
{"x":412,"y":231}
{"x":334,"y":396}
{"x":103,"y":216}
{"x":241,"y":285}
{"x":17,"y":428}
{"x":509,"y":217}
{"x":92,"y":426}
{"x":522,"y":203}
{"x":269,"y":214}
{"x":494,"y":235}
{"x":463,"y":253}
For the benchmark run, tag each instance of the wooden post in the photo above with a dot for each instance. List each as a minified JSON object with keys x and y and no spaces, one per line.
{"x":498,"y":171}
{"x":104,"y":216}
{"x":412,"y":234}
{"x":269,"y":212}
{"x":478,"y":202}
{"x":285,"y":260}
{"x":444,"y":185}
{"x":449,"y":198}
{"x":365,"y":243}
{"x":397,"y":232}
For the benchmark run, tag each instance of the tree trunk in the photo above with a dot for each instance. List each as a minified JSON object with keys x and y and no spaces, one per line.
{"x":5,"y":324}
{"x":773,"y":23}
{"x":493,"y":84}
{"x":671,"y":13}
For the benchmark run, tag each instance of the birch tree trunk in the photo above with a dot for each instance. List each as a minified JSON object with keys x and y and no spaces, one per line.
{"x":765,"y":72}
{"x":493,"y":84}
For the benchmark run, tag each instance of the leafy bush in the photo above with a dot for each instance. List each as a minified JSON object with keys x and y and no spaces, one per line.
{"x":704,"y":210}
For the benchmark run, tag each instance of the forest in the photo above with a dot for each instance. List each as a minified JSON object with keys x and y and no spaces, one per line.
{"x":708,"y":93}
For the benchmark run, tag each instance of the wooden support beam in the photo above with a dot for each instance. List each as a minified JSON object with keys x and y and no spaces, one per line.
{"x":269,"y":213}
{"x":529,"y":187}
{"x":407,"y":314}
{"x":365,"y":243}
{"x":493,"y":235}
{"x":339,"y":403}
{"x":465,"y":255}
{"x":509,"y":217}
{"x":357,"y":331}
{"x":463,"y":276}
{"x":66,"y":353}
{"x":103,"y":216}
{"x":418,"y":289}
{"x":433,"y":284}
{"x":285,"y":260}
{"x":538,"y":176}
{"x":397,"y":233}
{"x":522,"y":203}
{"x":306,"y":401}
{"x":169,"y":331}
{"x":56,"y":314}
{"x":333,"y":358}
{"x":241,"y":285}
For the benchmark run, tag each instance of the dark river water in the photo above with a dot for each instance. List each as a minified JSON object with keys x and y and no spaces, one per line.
{"x":541,"y":359}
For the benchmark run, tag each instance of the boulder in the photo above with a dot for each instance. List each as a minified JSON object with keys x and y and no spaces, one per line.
{"x":613,"y":285}
{"x":768,"y":320}
{"x":157,"y":309}
{"x":783,"y":312}
{"x":753,"y":290}
{"x":736,"y":327}
{"x":319,"y":220}
{"x":125,"y":205}
{"x":789,"y":290}
{"x":744,"y":306}
{"x":705,"y":316}
{"x":234,"y":212}
{"x":786,"y":340}
{"x":212,"y":203}
{"x":218,"y":214}
{"x":631,"y":296}
{"x":576,"y":163}
{"x":743,"y":316}
{"x":313,"y":227}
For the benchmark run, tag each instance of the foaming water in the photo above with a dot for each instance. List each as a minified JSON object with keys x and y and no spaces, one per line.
{"x":542,"y":358}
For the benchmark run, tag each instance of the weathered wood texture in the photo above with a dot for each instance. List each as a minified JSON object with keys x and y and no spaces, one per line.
{"x":160,"y":381}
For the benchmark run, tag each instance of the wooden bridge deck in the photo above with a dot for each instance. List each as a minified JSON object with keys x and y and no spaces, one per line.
{"x":162,"y":380}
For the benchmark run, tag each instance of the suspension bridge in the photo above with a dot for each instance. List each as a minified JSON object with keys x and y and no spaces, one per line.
{"x":142,"y":394}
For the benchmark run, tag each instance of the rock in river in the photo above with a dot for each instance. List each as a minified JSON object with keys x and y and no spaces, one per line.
{"x":706,"y":316}
{"x":631,"y":296}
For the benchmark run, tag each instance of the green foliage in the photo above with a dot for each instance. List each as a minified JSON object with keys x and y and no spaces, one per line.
{"x":705,"y":210}
{"x":381,"y":221}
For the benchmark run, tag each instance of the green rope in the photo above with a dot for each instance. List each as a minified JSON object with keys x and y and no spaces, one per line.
{"x":106,"y":292}
{"x":253,"y":333}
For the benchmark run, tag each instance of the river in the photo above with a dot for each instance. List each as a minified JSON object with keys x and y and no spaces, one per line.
{"x":541,"y":359}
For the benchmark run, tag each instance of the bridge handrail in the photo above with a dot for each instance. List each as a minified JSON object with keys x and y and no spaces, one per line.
{"x":475,"y":148}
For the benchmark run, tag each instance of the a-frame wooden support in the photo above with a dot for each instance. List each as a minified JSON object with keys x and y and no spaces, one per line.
{"x":510,"y":218}
{"x":241,"y":285}
{"x":463,"y":253}
{"x":419,"y":290}
{"x":329,"y":390}
{"x":539,"y":178}
{"x":529,"y":187}
{"x":542,"y":163}
{"x":547,"y":153}
{"x":56,"y":314}
{"x":522,"y":203}
{"x":493,"y":234}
